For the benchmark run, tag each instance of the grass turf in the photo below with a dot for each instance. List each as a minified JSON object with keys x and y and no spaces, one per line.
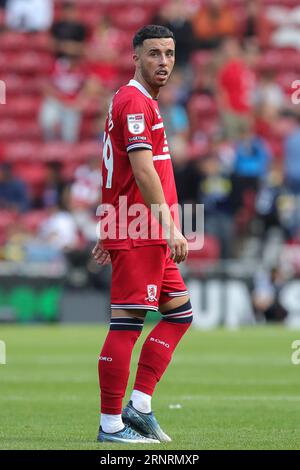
{"x":224,"y":390}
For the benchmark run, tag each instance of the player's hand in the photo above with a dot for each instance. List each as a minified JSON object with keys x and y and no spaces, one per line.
{"x":178,"y":246}
{"x":101,"y":256}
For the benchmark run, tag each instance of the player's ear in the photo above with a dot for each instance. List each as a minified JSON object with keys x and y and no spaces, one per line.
{"x":136,"y":55}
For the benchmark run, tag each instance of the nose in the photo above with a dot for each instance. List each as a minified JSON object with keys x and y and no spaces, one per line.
{"x":163,"y":59}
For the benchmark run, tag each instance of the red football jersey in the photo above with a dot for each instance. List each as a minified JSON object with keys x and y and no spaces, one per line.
{"x":133,"y":122}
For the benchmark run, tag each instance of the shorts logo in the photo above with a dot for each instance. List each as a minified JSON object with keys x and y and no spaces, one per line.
{"x":152,"y":291}
{"x":136,"y":123}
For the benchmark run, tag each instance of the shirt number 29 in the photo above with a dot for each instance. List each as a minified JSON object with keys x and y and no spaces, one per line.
{"x":108,"y":159}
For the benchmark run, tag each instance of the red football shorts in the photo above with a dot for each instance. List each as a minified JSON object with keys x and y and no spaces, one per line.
{"x":144,"y":277}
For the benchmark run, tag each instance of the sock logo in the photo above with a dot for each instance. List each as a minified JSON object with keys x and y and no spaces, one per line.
{"x":104,"y":358}
{"x":159,"y":341}
{"x":152,"y":291}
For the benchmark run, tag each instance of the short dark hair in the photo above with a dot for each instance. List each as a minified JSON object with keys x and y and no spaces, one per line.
{"x":151,"y":31}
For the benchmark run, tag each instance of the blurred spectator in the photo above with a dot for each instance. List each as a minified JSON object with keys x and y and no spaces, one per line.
{"x":180,"y":158}
{"x":103,"y":52}
{"x":252,"y":157}
{"x":68,"y":32}
{"x":85,"y":197}
{"x":22,"y":245}
{"x":29,"y":15}
{"x":251,"y":166}
{"x":269,"y":97}
{"x":13,"y":192}
{"x":213,"y":21}
{"x":277,"y":205}
{"x":174,"y":115}
{"x":59,"y":230}
{"x":174,"y":16}
{"x":253,"y":19}
{"x":236,"y":85}
{"x":54,"y":192}
{"x":225,"y":151}
{"x":86,"y":186}
{"x":267,"y":197}
{"x":286,"y":23}
{"x":257,"y":27}
{"x":65,"y":94}
{"x":292,"y":156}
{"x":16,"y":238}
{"x":266,"y":295}
{"x":208,"y":183}
{"x":288,"y":208}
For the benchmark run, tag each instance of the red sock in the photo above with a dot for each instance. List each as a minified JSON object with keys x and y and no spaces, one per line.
{"x":114,"y":362}
{"x":159,"y":346}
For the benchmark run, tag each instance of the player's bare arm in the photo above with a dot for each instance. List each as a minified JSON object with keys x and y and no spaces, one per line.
{"x":151,"y":189}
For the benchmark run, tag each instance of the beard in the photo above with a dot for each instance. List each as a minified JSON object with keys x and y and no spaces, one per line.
{"x":150,"y":79}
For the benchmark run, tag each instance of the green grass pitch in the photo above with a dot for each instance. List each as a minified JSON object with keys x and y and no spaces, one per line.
{"x":224,"y":389}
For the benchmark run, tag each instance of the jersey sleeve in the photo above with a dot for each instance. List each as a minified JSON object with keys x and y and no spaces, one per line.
{"x":136,"y":120}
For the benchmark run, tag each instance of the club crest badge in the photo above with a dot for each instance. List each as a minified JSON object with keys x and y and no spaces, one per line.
{"x":136,"y":123}
{"x":152,"y":291}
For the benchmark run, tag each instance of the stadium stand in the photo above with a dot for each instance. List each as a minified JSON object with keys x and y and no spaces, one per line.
{"x":26,"y":60}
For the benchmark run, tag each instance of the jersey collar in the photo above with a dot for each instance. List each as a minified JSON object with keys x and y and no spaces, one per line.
{"x":140,"y":87}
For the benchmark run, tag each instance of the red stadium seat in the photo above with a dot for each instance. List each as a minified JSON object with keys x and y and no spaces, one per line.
{"x":57,"y":151}
{"x":130,"y":18}
{"x":32,"y":220}
{"x":203,"y":113}
{"x":89,"y":129}
{"x":16,"y":41}
{"x":25,"y":130}
{"x":7,"y":219}
{"x":26,"y":62}
{"x":202,"y":105}
{"x":3,"y":61}
{"x":2,"y":18}
{"x":201,"y":58}
{"x":32,"y":173}
{"x":12,"y":41}
{"x":91,"y":108}
{"x":40,"y":42}
{"x":69,"y":169}
{"x":8,"y":129}
{"x":21,"y":106}
{"x":279,"y":60}
{"x":21,"y":86}
{"x":89,"y":149}
{"x":21,"y":151}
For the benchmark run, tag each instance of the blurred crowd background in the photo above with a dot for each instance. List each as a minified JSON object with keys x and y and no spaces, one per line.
{"x":230,"y":110}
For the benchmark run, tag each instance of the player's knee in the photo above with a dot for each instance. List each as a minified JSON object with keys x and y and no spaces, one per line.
{"x":180,"y":315}
{"x":128,"y":313}
{"x":126,"y":323}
